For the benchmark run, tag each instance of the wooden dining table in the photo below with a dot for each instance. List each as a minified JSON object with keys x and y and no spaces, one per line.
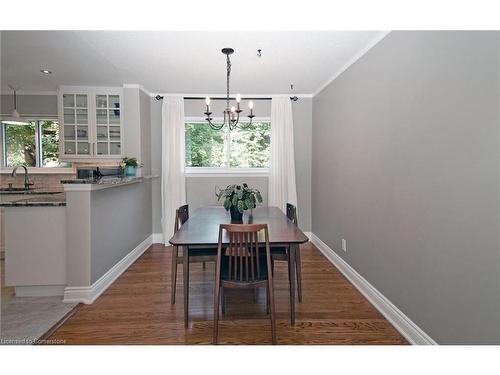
{"x":201,"y":230}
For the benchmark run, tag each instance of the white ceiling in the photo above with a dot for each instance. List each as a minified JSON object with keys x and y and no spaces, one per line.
{"x":179,"y":62}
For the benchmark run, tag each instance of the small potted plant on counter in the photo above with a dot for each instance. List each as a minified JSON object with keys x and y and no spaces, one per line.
{"x":238,"y":199}
{"x":129,"y":166}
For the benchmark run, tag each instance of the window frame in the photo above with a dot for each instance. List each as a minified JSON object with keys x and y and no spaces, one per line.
{"x":223,"y":171}
{"x":38,"y":150}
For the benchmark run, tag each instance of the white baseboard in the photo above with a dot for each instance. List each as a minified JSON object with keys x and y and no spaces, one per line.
{"x":39,"y":290}
{"x":157,"y":237}
{"x":88,"y":294}
{"x":414,"y":334}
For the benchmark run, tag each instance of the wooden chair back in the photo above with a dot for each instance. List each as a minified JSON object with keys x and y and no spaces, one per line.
{"x":181,"y":216}
{"x":242,"y":251}
{"x":291,"y":213}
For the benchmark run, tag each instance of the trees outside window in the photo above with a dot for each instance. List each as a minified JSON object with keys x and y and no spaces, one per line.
{"x":32,"y":145}
{"x":238,"y":148}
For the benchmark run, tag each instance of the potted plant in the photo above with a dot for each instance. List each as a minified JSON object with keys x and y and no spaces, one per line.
{"x":238,"y":198}
{"x":129,"y":166}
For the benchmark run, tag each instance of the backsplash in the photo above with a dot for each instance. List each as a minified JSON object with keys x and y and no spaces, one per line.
{"x":46,"y":181}
{"x":41,"y":181}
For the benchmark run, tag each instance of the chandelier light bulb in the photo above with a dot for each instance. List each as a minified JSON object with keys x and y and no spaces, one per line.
{"x":250,"y":105}
{"x":207,"y":100}
{"x":233,"y":109}
{"x":238,"y":98}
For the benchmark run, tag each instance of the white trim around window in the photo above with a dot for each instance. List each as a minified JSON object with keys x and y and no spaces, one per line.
{"x":225,"y":172}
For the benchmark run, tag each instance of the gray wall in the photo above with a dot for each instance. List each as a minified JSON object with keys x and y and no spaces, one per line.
{"x":120,"y":220}
{"x":405,"y":167}
{"x":30,"y":105}
{"x":145,"y":121}
{"x":131,"y":123}
{"x":200,"y":190}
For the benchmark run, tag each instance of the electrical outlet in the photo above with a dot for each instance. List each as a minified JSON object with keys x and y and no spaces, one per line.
{"x":344,"y":244}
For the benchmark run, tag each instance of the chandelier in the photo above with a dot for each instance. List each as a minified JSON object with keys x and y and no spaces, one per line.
{"x":231,"y":114}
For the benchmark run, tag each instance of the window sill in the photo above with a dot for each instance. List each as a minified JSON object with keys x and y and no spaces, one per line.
{"x":34,"y":170}
{"x":225,"y":172}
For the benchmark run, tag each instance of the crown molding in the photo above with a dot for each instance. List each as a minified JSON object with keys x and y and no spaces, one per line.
{"x":137,"y":86}
{"x":355,"y":58}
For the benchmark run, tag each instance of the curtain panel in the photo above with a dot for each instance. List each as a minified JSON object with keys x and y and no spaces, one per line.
{"x":173,"y":182}
{"x":282,"y":187}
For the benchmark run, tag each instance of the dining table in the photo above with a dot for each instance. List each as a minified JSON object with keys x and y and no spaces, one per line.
{"x":201,"y":231}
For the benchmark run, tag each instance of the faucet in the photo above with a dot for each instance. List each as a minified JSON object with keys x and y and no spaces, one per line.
{"x":27,"y":182}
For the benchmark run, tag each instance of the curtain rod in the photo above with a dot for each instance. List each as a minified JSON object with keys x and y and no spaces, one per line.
{"x":159,"y":97}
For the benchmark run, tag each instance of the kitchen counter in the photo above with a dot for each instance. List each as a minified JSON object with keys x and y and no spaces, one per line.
{"x":35,"y":242}
{"x":108,"y":225}
{"x":90,"y":184}
{"x":32,"y":199}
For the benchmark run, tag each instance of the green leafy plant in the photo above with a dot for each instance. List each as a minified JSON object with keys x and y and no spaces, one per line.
{"x":129,"y":162}
{"x":241,"y":197}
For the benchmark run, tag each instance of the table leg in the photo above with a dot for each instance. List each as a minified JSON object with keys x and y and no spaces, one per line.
{"x":291,"y":275}
{"x":185,"y":263}
{"x":298,"y":267}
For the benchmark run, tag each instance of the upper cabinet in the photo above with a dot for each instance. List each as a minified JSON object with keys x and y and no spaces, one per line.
{"x":91,"y":122}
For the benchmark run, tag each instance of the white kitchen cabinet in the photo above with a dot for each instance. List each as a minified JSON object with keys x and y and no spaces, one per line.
{"x":90,"y":122}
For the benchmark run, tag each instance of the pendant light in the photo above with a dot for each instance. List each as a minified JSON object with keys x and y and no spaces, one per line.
{"x":232,"y":113}
{"x":15,"y":118}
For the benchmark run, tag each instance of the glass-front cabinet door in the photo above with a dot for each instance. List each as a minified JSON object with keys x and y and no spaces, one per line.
{"x":108,"y":123}
{"x":91,"y":122}
{"x":76,"y":124}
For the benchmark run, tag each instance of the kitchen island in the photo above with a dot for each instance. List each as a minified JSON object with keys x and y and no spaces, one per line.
{"x":108,"y":226}
{"x":75,"y":243}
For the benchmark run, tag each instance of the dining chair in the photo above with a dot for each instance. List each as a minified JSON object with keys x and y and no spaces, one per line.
{"x":241,"y":265}
{"x":282,"y":253}
{"x":198,"y":256}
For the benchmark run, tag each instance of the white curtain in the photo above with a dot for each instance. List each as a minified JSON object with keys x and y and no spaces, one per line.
{"x":282,"y":188}
{"x":173,"y":183}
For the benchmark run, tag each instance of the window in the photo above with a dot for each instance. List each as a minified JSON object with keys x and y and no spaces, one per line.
{"x":33,"y":145}
{"x":236,"y":149}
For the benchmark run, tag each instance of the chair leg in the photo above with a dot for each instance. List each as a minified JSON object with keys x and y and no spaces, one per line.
{"x":173,"y":284}
{"x":299,"y":272}
{"x":273,"y":317}
{"x":267,"y":299}
{"x":216,"y":313}
{"x":223,"y":300}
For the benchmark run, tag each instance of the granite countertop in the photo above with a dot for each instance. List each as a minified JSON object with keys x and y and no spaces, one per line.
{"x":35,"y":199}
{"x":91,"y":184}
{"x":103,"y":180}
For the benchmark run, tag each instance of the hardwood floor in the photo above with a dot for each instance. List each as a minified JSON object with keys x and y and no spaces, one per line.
{"x":136,"y":309}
